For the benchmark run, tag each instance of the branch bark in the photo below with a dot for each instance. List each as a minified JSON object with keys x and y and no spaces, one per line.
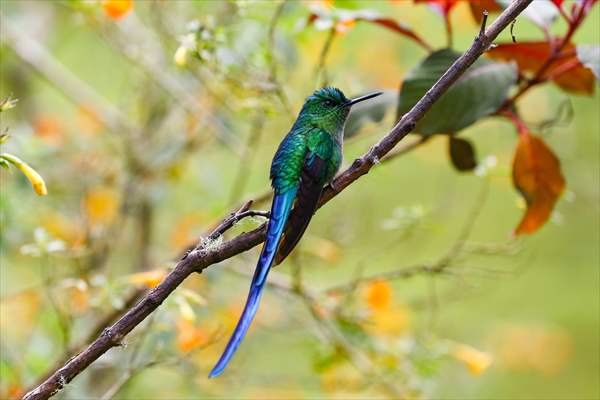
{"x":203,"y":256}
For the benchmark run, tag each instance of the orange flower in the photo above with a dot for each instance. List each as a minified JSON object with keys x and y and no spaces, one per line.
{"x":49,"y":129}
{"x":378,"y":295}
{"x":117,"y":9}
{"x":189,"y":336}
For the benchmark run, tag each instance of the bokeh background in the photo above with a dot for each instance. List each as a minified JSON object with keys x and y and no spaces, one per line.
{"x":144,"y":145}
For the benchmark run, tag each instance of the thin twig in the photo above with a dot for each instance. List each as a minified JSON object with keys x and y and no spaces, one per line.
{"x":58,"y":75}
{"x":321,"y":69}
{"x":433,"y":268}
{"x":271,"y":59}
{"x":243,"y":173}
{"x":202,"y":257}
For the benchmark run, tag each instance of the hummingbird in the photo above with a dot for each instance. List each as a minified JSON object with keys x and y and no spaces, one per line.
{"x":305,"y":162}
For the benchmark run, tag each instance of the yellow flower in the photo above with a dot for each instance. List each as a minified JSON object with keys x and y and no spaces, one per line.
{"x":36,"y":179}
{"x":180,"y":56}
{"x":390,"y":321}
{"x":476,"y":361}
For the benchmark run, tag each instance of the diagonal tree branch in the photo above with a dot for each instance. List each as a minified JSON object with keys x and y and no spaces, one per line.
{"x":205,"y":255}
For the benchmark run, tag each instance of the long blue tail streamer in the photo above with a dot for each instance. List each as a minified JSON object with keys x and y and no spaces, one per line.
{"x":280,"y":210}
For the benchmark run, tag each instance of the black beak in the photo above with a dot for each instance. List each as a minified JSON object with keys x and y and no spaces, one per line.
{"x":363,"y":98}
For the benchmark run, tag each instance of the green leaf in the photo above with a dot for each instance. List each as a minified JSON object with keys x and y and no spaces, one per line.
{"x":462,"y":154}
{"x":479,"y":92}
{"x":589,"y":55}
{"x":4,"y":164}
{"x":370,"y":111}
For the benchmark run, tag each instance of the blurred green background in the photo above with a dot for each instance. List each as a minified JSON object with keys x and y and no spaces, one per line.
{"x":141,"y":156}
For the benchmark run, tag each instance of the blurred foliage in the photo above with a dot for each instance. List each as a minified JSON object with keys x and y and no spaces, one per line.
{"x":151,"y":120}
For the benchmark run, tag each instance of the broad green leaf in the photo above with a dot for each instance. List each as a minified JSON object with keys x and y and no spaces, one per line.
{"x":589,"y":55}
{"x":479,"y":92}
{"x":370,"y":111}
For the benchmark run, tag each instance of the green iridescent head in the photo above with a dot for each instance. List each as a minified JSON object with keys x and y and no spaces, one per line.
{"x":328,"y":108}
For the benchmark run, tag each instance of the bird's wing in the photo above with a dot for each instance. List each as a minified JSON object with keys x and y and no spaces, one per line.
{"x":312,"y":179}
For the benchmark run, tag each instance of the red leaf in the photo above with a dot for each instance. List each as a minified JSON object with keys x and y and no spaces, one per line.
{"x":478,"y":7}
{"x":442,"y":7}
{"x":566,"y":71}
{"x":537,"y":176}
{"x":346,"y":22}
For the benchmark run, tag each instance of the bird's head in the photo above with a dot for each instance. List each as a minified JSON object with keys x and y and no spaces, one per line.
{"x":328,"y":108}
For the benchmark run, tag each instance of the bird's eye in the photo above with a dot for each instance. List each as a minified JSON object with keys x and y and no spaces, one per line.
{"x":328,"y":103}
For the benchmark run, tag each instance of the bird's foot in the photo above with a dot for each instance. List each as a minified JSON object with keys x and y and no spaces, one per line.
{"x":333,"y":186}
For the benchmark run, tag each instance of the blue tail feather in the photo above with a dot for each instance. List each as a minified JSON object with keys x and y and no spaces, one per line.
{"x":280,"y":210}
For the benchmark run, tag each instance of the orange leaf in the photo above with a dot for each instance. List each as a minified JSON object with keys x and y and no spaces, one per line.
{"x":566,"y":71}
{"x":537,"y":176}
{"x":117,"y":9}
{"x":378,"y":295}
